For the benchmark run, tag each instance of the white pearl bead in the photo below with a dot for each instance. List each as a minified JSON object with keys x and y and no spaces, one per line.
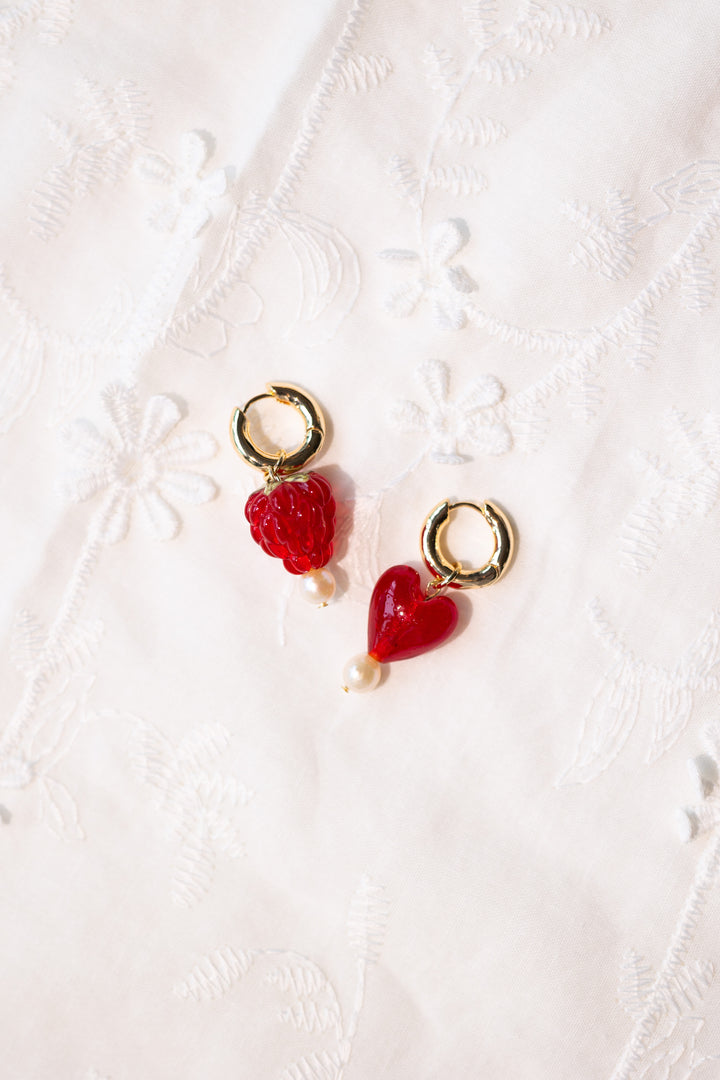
{"x":361,"y":674}
{"x":318,"y":587}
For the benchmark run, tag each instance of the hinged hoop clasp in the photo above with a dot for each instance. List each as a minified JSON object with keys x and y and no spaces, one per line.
{"x":451,"y":573}
{"x":289,"y":461}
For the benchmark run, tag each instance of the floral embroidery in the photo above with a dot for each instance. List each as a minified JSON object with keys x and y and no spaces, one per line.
{"x":668,"y":1007}
{"x":191,"y":193}
{"x":444,"y":285}
{"x":608,"y":245}
{"x":115,"y":123}
{"x":631,"y":683}
{"x":199,"y":801}
{"x":53,"y":19}
{"x":683,"y":485}
{"x":310,"y":1002}
{"x":469,"y":419}
{"x":141,"y":465}
{"x":183,"y":299}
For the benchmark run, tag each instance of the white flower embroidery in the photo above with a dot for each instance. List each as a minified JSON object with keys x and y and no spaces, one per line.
{"x":141,"y":465}
{"x":191,"y":193}
{"x":445,"y":286}
{"x":469,"y":419}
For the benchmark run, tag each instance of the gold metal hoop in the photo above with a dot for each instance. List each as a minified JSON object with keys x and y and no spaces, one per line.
{"x":314,"y":430}
{"x":452,"y":573}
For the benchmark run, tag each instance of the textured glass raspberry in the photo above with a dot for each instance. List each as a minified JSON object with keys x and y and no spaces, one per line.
{"x":401,"y":621}
{"x":295,"y":522}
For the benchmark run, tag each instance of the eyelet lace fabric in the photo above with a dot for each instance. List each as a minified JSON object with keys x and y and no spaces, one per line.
{"x":485,"y":236}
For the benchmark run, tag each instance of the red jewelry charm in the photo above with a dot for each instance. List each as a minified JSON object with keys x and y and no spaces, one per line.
{"x":295,"y":522}
{"x":404,"y":620}
{"x":293,"y":516}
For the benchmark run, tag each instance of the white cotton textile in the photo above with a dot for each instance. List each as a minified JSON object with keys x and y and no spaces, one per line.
{"x":484,"y":235}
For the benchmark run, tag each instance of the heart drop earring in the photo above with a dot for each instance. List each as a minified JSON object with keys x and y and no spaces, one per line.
{"x":293,"y":516}
{"x":404,"y":620}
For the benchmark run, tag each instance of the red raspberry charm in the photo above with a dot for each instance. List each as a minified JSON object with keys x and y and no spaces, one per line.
{"x":295,"y":521}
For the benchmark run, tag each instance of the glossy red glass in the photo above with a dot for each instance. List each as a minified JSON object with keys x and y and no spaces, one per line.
{"x":295,"y":522}
{"x":402,"y":622}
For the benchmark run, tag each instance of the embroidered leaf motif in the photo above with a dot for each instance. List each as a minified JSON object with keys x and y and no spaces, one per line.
{"x":21,"y":367}
{"x":675,"y":689}
{"x":441,"y":70}
{"x":323,"y":1066}
{"x":55,"y":21}
{"x":27,"y":642}
{"x":673,"y":709}
{"x":531,"y":36}
{"x":642,"y":342}
{"x":215,"y":975}
{"x":683,"y":484}
{"x":608,"y":248}
{"x":12,"y":20}
{"x":502,"y":70}
{"x":697,"y":283}
{"x":458,"y":179}
{"x":303,"y":980}
{"x":585,"y":397}
{"x":642,"y":535}
{"x":404,"y":177}
{"x":115,"y":122}
{"x":194,"y":870}
{"x":51,"y":202}
{"x":58,"y":723}
{"x":311,"y":1016}
{"x":687,"y":988}
{"x":480,"y":17}
{"x":77,"y":646}
{"x":203,"y":746}
{"x":200,"y":804}
{"x":361,"y":73}
{"x":367,"y":920}
{"x":636,"y":982}
{"x":610,"y":717}
{"x":529,"y":424}
{"x":58,"y":810}
{"x":569,"y":20}
{"x":691,"y":188}
{"x":474,"y":130}
{"x":329,"y":276}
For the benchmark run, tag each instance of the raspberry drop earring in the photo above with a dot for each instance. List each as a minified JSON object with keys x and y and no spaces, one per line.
{"x":404,"y":620}
{"x":293,"y":516}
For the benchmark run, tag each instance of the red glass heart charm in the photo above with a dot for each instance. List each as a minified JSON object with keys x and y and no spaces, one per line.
{"x":295,"y":522}
{"x":402,"y":622}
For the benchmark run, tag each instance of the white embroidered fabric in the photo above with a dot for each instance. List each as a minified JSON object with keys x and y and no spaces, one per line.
{"x":484,"y":234}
